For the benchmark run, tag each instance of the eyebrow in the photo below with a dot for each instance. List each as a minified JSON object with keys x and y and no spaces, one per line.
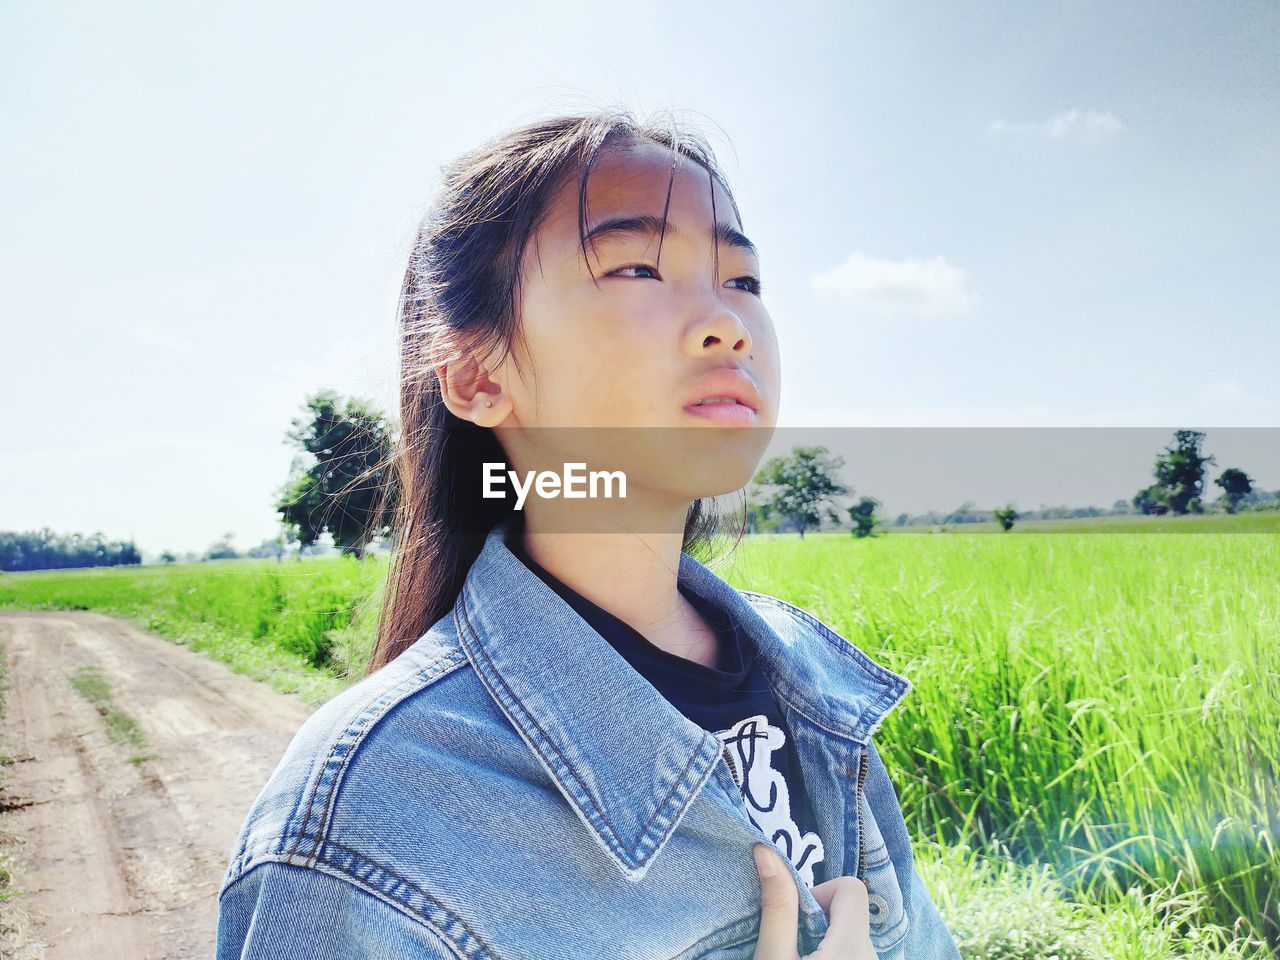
{"x":648,"y":225}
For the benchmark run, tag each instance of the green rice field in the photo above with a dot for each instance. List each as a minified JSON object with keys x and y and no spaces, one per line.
{"x":1089,"y":759}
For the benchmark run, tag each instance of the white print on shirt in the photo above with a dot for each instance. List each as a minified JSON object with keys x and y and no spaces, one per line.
{"x":753,"y":742}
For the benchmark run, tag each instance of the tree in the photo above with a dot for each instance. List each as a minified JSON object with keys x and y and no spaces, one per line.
{"x":1180,"y":472}
{"x":1235,"y":483}
{"x":348,"y":487}
{"x":863,"y":515}
{"x":222,"y":549}
{"x":288,"y":537}
{"x":1006,"y":516}
{"x":1151,"y":500}
{"x":758,"y":519}
{"x":44,"y":549}
{"x":802,"y":482}
{"x":272,"y":547}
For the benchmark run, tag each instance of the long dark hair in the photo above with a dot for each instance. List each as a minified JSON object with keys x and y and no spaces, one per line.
{"x":462,"y":290}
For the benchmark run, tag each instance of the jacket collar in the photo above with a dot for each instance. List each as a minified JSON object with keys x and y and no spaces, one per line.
{"x":629,"y":762}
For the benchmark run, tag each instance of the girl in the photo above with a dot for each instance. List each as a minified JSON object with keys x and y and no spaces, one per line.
{"x":574,"y":737}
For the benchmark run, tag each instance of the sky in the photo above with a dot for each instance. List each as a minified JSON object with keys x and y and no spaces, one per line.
{"x":1014,"y":214}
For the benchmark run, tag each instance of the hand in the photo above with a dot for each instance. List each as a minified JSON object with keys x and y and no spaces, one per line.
{"x":844,"y":899}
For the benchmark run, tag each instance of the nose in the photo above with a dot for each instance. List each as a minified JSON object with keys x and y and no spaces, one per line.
{"x":723,"y":330}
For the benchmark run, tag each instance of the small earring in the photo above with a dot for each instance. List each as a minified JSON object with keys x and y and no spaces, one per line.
{"x":488,"y":403}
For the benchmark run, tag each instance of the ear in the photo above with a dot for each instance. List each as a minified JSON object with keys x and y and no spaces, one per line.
{"x":466,"y":386}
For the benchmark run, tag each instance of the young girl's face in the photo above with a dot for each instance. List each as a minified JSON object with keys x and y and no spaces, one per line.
{"x":651,"y":338}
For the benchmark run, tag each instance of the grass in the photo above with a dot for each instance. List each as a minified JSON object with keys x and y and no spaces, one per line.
{"x":122,"y":728}
{"x":291,"y":625}
{"x":997,"y":909}
{"x":1092,"y":735}
{"x":1252,"y":521}
{"x":1103,"y":705}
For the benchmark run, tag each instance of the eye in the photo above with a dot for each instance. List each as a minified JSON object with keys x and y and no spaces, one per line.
{"x":753,"y":284}
{"x":634,"y":266}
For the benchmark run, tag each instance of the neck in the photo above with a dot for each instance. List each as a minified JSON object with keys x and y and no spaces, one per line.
{"x":633,"y":576}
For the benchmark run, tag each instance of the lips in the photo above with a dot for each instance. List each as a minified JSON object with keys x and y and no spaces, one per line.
{"x":731,"y":382}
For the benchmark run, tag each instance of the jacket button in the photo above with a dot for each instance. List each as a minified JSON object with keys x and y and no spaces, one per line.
{"x":878,"y":907}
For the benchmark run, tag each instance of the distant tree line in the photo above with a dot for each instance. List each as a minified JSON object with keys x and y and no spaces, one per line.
{"x":802,"y":491}
{"x":969,"y":513}
{"x":342,"y":484}
{"x":46,"y":550}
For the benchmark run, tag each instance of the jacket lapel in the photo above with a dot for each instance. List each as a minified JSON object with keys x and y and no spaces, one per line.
{"x":626,"y":760}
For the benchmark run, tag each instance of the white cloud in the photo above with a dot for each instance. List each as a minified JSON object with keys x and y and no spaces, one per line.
{"x":922,"y":287}
{"x":1069,"y":123}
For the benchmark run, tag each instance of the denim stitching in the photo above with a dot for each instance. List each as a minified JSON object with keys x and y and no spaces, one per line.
{"x":264,"y":854}
{"x":320,"y":778}
{"x":878,"y":863}
{"x":841,"y":643}
{"x":799,"y":703}
{"x":321,"y":774}
{"x":889,"y":693}
{"x":898,"y":930}
{"x":879,"y":708}
{"x":413,"y":678}
{"x":485,"y":951}
{"x":309,"y":791}
{"x":597,"y":810}
{"x":336,"y":869}
{"x":730,"y":929}
{"x":327,"y":816}
{"x":887,"y":939}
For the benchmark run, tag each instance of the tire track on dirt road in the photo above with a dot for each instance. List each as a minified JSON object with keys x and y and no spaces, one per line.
{"x":113,"y":858}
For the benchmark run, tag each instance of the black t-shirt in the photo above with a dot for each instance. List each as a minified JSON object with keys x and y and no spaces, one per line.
{"x":733,"y":700}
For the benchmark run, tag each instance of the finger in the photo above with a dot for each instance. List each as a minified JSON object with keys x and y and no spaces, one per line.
{"x":779,"y":907}
{"x":822,"y":892}
{"x":849,"y":920}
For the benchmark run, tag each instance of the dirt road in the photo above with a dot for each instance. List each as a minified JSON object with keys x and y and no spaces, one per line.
{"x":121,"y":859}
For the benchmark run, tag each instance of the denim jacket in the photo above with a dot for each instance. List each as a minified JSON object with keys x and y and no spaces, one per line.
{"x":509,"y":787}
